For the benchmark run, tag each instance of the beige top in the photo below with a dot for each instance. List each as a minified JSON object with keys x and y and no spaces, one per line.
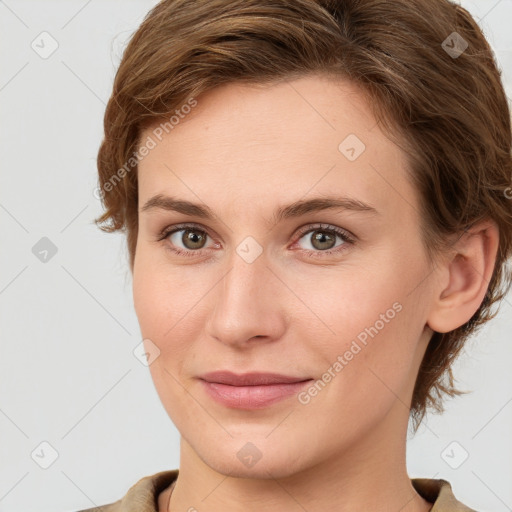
{"x":143,"y":495}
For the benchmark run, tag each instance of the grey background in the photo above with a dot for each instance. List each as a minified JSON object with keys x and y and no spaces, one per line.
{"x":68,"y":329}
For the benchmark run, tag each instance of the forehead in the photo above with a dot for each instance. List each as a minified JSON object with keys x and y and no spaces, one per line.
{"x":244,"y":144}
{"x":305,"y":110}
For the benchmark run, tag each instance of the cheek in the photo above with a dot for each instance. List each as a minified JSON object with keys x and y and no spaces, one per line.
{"x":360,"y":303}
{"x":376,"y":318}
{"x":161,"y":305}
{"x":168,"y":306}
{"x":160,"y":295}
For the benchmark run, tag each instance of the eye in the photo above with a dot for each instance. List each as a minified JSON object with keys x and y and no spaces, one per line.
{"x":189,"y":235}
{"x":322,"y":239}
{"x":192,"y":238}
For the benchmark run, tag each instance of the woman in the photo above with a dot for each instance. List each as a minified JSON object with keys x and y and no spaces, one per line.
{"x":316,"y":197}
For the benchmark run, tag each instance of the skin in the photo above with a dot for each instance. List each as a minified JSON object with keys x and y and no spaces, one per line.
{"x":244,"y":151}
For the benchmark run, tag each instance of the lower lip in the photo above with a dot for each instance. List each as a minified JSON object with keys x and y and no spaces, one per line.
{"x":251,"y":397}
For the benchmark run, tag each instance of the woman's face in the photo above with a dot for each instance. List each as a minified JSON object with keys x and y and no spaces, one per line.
{"x":339,"y":295}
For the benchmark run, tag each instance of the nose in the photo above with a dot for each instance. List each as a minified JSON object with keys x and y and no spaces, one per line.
{"x":249,"y":304}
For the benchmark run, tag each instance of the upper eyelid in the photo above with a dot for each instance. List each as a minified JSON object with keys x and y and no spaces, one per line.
{"x":323,"y":226}
{"x":301,"y":230}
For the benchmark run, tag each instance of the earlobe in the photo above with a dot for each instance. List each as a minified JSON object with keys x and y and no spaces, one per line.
{"x":469,"y":270}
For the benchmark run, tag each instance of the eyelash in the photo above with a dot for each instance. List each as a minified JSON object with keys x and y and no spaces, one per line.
{"x":344,"y":235}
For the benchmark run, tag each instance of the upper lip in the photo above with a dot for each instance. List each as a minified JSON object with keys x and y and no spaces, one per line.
{"x":250,"y":379}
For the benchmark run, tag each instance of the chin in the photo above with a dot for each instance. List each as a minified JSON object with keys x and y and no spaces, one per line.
{"x":264,"y":470}
{"x":260,"y":458}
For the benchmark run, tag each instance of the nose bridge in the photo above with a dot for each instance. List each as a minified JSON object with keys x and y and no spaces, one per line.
{"x":245,"y":304}
{"x":243,"y":287}
{"x":247,"y":271}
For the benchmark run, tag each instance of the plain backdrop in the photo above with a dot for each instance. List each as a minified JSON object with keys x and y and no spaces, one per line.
{"x":73,"y":396}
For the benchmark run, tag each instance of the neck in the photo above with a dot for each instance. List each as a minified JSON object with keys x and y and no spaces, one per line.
{"x":370,"y":474}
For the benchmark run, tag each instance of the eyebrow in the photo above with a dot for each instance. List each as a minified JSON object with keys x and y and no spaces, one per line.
{"x":295,"y":209}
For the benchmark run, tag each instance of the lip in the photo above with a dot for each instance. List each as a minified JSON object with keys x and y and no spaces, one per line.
{"x":251,"y":390}
{"x":250,"y":379}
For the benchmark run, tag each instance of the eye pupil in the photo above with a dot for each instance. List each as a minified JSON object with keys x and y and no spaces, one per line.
{"x":320,"y":237}
{"x":191,"y":236}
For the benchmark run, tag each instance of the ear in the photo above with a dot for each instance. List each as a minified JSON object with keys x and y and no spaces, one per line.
{"x":466,"y":273}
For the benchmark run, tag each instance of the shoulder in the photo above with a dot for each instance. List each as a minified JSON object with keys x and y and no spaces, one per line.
{"x":141,"y":496}
{"x":440,"y":493}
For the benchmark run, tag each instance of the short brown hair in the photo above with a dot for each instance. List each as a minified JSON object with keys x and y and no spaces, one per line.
{"x":448,"y":112}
